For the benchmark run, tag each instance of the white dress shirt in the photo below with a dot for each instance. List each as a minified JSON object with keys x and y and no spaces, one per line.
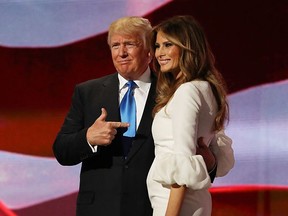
{"x":140,"y":92}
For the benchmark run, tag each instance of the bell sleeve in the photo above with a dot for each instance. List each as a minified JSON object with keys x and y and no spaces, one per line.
{"x":181,"y":165}
{"x":221,"y":146}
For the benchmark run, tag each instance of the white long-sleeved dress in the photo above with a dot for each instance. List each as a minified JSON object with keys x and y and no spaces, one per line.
{"x":189,"y":115}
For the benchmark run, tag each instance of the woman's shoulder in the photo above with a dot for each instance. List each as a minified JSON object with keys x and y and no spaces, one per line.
{"x":194,"y":85}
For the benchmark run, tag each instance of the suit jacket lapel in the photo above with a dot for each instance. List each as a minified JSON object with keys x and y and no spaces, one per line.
{"x":146,"y":120}
{"x":111,"y":98}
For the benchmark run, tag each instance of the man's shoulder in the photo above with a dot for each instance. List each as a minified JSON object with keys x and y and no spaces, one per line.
{"x":98,"y":81}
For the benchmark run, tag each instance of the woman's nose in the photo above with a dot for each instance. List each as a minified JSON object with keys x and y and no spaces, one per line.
{"x":160,"y":51}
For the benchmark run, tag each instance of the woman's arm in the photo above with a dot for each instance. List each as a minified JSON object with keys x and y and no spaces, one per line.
{"x":176,"y":197}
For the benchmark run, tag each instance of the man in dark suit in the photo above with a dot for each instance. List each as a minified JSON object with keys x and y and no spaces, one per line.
{"x":111,"y":183}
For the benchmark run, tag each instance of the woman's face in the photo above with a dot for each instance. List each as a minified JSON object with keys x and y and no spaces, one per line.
{"x":167,"y":54}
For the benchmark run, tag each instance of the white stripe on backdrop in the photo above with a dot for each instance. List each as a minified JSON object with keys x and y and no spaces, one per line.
{"x":47,"y":23}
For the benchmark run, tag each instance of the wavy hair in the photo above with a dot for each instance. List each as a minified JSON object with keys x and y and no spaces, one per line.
{"x":196,"y":62}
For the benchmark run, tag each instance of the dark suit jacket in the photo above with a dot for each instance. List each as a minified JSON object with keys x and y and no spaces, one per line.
{"x":109,"y":185}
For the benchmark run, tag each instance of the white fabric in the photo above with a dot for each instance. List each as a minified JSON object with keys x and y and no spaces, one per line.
{"x":221,"y":146}
{"x":188,"y":115}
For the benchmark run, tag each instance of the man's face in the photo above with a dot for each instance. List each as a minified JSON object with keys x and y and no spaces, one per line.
{"x":129,"y":56}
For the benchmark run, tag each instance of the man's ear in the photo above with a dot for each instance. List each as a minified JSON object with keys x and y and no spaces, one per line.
{"x":150,"y":56}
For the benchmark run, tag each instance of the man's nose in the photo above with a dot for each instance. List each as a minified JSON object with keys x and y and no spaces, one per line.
{"x":123,"y":51}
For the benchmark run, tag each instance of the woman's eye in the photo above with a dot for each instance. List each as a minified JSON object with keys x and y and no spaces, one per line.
{"x":156,"y":46}
{"x":168,"y":44}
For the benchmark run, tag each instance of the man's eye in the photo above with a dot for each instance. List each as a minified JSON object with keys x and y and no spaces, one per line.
{"x":115,"y":46}
{"x":130,"y":45}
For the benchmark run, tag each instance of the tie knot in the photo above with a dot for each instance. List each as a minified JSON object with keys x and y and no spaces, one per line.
{"x":131,"y":84}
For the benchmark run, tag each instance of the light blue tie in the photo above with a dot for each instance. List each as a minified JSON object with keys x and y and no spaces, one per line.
{"x":128,"y":109}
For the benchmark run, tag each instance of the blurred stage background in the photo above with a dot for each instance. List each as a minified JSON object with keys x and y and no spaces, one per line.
{"x":48,"y":46}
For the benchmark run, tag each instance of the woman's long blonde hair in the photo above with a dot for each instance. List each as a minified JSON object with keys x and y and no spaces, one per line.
{"x":196,"y":63}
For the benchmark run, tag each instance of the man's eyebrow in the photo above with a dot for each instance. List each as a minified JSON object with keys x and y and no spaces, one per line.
{"x":116,"y":42}
{"x":126,"y":42}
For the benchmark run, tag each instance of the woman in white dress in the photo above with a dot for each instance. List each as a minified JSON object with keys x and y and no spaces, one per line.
{"x":191,"y":103}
